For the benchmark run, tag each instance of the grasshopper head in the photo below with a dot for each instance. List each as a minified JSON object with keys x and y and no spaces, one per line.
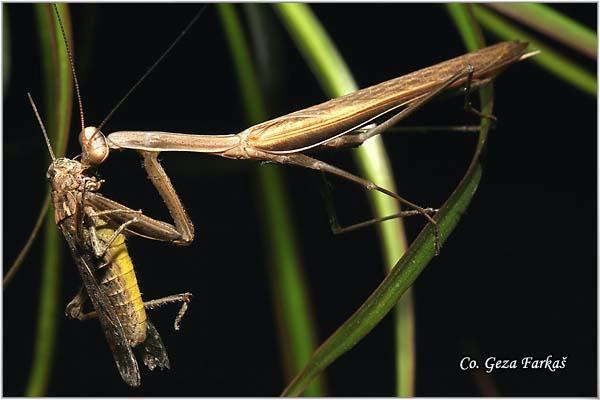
{"x":65,"y":174}
{"x":94,"y":148}
{"x":67,"y":179}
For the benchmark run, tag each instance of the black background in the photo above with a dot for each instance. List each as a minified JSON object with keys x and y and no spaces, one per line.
{"x":517,"y":278}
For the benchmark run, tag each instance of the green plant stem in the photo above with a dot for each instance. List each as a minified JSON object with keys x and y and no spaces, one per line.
{"x":291,"y":299}
{"x":16,"y":265}
{"x":387,"y":294}
{"x":472,"y":37}
{"x":469,"y":32}
{"x":549,"y":59}
{"x":336,"y":80}
{"x":405,"y":272}
{"x":57,"y":74}
{"x":553,"y":24}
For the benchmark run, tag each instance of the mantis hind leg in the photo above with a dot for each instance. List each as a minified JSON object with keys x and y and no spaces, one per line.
{"x":468,"y":106}
{"x":336,"y":228}
{"x":312,"y":163}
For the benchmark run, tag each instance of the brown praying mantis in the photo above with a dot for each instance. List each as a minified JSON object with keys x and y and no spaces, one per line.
{"x":343,"y":122}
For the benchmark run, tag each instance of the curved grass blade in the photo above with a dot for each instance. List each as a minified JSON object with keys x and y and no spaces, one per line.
{"x":469,"y":32}
{"x":549,"y":59}
{"x":59,"y":143}
{"x":57,"y":75}
{"x":291,"y":298}
{"x":336,"y":80}
{"x":553,"y":24}
{"x":404,"y":273}
{"x":16,"y":265}
{"x":473,"y":39}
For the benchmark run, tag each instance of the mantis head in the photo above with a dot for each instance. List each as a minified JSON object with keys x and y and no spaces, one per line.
{"x":94,"y":147}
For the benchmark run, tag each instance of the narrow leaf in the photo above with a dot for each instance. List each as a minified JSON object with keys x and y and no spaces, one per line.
{"x":59,"y":96}
{"x":550,"y":22}
{"x":291,"y":298}
{"x":335,"y":78}
{"x":404,"y":273}
{"x":549,"y":59}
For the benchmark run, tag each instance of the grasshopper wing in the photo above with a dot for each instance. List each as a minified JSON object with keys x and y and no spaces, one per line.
{"x":153,"y":350}
{"x":113,"y":330}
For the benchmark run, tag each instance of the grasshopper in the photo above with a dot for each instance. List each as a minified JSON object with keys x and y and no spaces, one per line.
{"x":95,"y":228}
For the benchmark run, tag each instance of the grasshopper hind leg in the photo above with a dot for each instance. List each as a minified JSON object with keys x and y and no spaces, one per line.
{"x":152,"y":349}
{"x":74,"y":309}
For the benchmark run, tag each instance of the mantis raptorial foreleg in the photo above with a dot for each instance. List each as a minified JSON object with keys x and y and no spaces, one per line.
{"x":182,"y":233}
{"x":100,"y":247}
{"x":162,"y":183}
{"x":140,"y":225}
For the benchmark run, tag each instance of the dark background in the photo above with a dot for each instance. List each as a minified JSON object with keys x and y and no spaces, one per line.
{"x":517,"y":278}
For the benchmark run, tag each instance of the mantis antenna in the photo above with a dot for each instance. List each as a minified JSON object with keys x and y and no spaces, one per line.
{"x":72,"y":63}
{"x":163,"y":55}
{"x":94,"y":147}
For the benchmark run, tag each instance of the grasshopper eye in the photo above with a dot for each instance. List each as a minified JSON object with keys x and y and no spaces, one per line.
{"x":51,"y":173}
{"x":94,"y":146}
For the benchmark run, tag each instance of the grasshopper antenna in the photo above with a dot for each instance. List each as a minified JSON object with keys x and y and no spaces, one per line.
{"x":72,"y":63}
{"x":163,"y":55}
{"x":37,"y":115}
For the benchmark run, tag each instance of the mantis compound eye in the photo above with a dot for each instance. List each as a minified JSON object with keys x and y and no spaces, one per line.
{"x":94,"y":148}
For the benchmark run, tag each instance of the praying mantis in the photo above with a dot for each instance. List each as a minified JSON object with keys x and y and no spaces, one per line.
{"x":346,"y":121}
